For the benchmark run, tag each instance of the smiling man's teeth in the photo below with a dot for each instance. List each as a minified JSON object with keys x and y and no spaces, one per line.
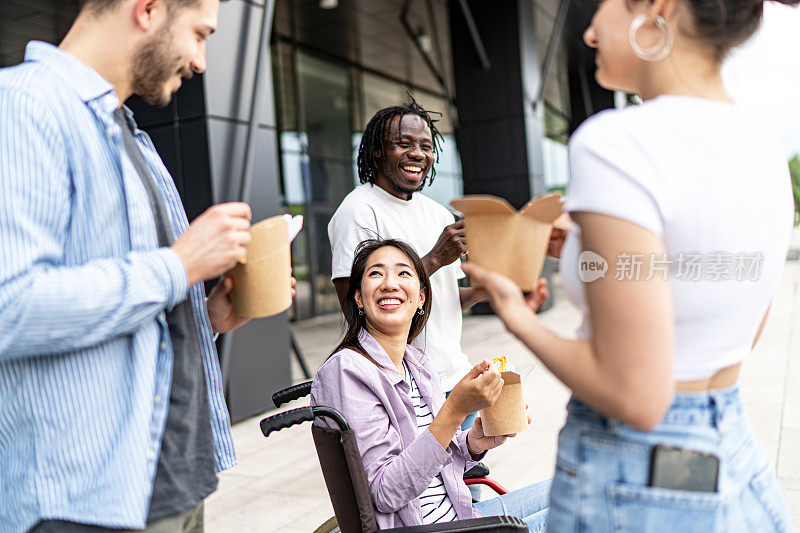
{"x":412,"y":169}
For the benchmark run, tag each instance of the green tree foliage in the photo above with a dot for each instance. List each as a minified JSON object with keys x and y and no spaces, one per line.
{"x":794,"y":170}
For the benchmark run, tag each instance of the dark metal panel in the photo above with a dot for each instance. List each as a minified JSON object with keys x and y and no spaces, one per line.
{"x":193,"y":139}
{"x":491,"y":136}
{"x":259,"y":366}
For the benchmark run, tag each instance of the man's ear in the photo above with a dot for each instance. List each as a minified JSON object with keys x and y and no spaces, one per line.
{"x":149,"y":14}
{"x":377,"y":154}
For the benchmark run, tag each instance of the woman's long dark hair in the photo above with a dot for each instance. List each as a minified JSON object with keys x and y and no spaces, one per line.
{"x":355,"y":322}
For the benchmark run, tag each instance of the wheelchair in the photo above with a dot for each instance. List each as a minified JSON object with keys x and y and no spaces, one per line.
{"x":346,"y":480}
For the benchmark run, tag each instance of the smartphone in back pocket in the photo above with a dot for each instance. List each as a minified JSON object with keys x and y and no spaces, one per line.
{"x":680,"y":469}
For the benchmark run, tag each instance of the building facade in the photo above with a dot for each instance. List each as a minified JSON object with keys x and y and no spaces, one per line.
{"x":277,"y":119}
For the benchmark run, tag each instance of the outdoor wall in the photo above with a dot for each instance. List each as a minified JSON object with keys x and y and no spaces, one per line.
{"x":500,"y":133}
{"x":255,"y":357}
{"x":201,"y":136}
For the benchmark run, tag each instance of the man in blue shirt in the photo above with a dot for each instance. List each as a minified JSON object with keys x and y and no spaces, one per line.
{"x":112,"y":412}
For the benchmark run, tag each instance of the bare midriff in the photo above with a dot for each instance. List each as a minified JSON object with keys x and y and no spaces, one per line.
{"x":725,"y":377}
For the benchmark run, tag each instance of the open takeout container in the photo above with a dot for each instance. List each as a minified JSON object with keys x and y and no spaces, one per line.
{"x":262,"y":284}
{"x":507,"y":415}
{"x":513,"y":243}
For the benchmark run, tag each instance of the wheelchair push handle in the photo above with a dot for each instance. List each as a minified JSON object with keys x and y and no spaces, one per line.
{"x":302,"y":414}
{"x":291,"y":393}
{"x":286,"y":419}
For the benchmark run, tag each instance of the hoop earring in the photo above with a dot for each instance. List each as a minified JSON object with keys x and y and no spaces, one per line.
{"x":360,"y":311}
{"x":658,"y":51}
{"x":420,"y":311}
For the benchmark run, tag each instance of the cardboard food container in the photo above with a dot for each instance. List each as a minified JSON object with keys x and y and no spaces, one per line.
{"x":506,"y":241}
{"x":262,"y":285}
{"x":507,"y":415}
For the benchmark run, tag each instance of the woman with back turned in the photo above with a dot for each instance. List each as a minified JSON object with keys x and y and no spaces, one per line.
{"x":688,"y":202}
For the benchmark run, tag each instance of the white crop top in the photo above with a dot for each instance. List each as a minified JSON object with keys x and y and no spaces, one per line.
{"x":714,"y":185}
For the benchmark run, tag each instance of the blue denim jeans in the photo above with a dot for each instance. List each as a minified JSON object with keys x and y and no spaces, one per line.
{"x":529,"y":503}
{"x":602,"y":471}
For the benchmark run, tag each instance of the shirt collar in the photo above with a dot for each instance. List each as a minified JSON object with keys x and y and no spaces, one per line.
{"x":129,"y":119}
{"x":389,"y":197}
{"x":412,"y":356}
{"x":86,"y":81}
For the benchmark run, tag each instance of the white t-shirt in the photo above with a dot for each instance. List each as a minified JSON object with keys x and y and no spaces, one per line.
{"x":369,"y":212}
{"x":714,"y":185}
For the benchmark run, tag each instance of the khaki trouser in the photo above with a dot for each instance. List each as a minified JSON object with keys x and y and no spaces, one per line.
{"x":189,"y":522}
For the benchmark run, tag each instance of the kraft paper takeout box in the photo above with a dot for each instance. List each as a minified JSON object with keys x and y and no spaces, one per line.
{"x":506,"y":241}
{"x":262,"y":285}
{"x":507,"y":415}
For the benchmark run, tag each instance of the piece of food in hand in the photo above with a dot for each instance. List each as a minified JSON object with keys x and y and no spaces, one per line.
{"x":501,"y":361}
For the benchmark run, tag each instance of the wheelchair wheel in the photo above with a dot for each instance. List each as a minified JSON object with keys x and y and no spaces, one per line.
{"x":330,"y":526}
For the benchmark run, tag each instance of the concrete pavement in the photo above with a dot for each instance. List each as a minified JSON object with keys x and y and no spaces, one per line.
{"x":278,"y":486}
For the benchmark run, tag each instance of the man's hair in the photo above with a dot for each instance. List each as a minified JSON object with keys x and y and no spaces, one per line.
{"x":377,"y":130}
{"x":101,"y":6}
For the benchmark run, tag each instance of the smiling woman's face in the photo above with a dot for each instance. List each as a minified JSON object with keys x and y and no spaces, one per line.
{"x":390,"y":292}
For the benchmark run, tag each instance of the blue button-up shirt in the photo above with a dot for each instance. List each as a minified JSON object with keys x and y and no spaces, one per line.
{"x":85,"y":353}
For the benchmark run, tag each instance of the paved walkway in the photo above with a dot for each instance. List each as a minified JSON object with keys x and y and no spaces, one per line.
{"x":278,"y":487}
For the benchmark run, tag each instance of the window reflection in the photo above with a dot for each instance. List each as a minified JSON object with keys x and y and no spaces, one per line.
{"x":324,"y":97}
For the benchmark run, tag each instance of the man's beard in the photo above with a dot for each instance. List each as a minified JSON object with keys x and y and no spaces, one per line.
{"x":390,"y":175}
{"x":153,"y":66}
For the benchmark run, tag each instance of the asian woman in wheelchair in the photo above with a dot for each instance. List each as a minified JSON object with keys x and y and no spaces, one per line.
{"x":408,"y":434}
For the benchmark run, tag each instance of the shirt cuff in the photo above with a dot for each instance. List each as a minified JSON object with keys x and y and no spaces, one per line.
{"x":179,"y":283}
{"x":461,"y":442}
{"x":427,"y":455}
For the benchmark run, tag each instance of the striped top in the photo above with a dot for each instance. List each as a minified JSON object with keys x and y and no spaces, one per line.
{"x":85,"y":353}
{"x":434,"y":501}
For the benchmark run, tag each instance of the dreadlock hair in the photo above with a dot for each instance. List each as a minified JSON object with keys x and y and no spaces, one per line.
{"x":378,"y":129}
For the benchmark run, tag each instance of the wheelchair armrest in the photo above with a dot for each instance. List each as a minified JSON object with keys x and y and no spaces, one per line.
{"x":479,"y":470}
{"x":494,"y":524}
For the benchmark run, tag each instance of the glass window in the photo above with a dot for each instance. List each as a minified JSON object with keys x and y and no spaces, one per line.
{"x":324,"y":98}
{"x":556,"y":165}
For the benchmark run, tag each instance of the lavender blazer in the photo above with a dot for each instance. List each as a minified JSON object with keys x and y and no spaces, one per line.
{"x":399,"y":463}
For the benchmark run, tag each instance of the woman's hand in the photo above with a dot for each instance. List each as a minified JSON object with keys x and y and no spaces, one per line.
{"x":505,"y":296}
{"x":479,"y":388}
{"x":477,"y":442}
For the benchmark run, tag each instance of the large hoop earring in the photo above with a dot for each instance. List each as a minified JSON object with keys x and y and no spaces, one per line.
{"x":658,"y":51}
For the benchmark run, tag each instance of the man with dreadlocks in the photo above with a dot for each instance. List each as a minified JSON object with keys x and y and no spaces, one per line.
{"x":395,"y":161}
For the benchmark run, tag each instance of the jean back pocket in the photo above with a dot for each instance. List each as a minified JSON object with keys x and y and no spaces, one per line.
{"x":635,"y":508}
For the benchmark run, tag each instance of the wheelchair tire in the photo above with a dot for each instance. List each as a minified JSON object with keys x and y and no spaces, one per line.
{"x":329,"y":526}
